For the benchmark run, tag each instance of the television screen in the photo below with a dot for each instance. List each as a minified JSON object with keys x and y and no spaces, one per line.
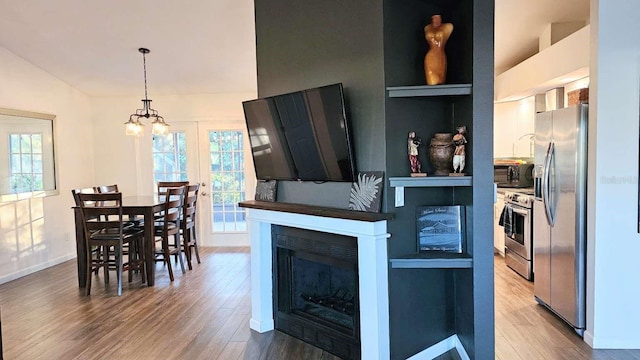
{"x":302,"y":135}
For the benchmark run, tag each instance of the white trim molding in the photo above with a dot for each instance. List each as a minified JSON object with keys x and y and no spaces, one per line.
{"x":372,"y":267}
{"x":433,"y":351}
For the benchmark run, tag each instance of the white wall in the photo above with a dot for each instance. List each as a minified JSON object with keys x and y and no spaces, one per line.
{"x":38,"y":233}
{"x":613,"y":277}
{"x":91,"y":150}
{"x":569,"y":57}
{"x":127,"y":160}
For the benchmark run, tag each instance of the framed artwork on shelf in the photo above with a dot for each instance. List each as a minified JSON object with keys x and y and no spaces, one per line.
{"x":366,"y":192}
{"x":440,"y":228}
{"x":266,"y":190}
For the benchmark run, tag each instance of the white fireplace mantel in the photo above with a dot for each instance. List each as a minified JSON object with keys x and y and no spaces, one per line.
{"x":372,"y":237}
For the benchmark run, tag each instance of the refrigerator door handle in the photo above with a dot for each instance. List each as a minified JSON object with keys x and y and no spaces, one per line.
{"x":544,"y":191}
{"x":546,"y":184}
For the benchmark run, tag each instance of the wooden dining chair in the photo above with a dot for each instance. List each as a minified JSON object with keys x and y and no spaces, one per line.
{"x":167,"y":229}
{"x":188,"y":223}
{"x":96,"y":252}
{"x":107,"y":188}
{"x":164,"y":185}
{"x":105,"y":228}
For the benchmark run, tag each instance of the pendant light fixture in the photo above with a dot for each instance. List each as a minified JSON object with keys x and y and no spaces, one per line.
{"x":134,"y":126}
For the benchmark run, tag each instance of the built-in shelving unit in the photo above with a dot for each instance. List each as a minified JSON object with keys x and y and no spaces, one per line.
{"x":459,"y":283}
{"x":429,"y":90}
{"x":433,"y":260}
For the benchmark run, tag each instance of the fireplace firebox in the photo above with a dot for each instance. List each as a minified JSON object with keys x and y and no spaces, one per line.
{"x":316,"y":289}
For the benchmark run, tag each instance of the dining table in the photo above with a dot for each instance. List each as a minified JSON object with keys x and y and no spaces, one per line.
{"x":145,"y":206}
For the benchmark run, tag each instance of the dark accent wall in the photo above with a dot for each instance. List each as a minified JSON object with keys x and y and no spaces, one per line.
{"x":422,"y":302}
{"x":303,"y":44}
{"x":369,"y":45}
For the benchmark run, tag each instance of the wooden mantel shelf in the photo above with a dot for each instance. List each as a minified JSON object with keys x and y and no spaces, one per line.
{"x":316,"y":210}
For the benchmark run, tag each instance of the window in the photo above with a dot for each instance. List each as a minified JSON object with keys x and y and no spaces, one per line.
{"x":170,"y":157}
{"x":227,"y":180}
{"x":25,"y":163}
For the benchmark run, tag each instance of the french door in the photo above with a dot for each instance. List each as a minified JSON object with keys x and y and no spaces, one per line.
{"x":226,"y":177}
{"x":216,"y":155}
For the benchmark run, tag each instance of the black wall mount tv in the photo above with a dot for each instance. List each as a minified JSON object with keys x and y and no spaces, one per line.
{"x":302,"y":135}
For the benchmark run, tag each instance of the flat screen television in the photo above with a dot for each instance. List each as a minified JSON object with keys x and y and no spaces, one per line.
{"x":303,"y":135}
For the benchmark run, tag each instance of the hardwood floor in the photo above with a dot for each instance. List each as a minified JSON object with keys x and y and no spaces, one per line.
{"x":204,"y":314}
{"x":526,"y":330}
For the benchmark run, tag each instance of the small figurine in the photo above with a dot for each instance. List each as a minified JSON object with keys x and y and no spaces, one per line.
{"x":459,"y":154}
{"x":413,"y":143}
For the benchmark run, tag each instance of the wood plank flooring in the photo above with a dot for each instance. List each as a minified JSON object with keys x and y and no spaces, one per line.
{"x":204,"y":314}
{"x":526,"y":330}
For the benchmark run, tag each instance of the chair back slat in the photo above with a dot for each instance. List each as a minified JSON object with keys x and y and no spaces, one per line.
{"x":101,"y":211}
{"x":75,"y":192}
{"x":174,"y":198}
{"x":190,"y":202}
{"x":164,"y":185}
{"x":108,"y":188}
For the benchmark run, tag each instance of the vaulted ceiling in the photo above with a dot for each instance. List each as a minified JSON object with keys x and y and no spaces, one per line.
{"x":197,"y":46}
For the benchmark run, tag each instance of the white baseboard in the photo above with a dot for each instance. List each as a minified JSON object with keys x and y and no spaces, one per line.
{"x":433,"y":351}
{"x":588,"y":338}
{"x":35,"y":268}
{"x":261,"y":326}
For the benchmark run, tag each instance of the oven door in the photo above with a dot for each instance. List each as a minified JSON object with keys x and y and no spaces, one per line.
{"x":519,"y":240}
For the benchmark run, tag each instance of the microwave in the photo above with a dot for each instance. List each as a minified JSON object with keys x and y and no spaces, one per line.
{"x":513,"y":175}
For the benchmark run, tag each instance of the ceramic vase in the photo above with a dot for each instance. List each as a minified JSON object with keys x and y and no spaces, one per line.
{"x":441,"y":153}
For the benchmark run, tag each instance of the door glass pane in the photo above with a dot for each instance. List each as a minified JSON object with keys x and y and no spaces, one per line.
{"x":227,"y":181}
{"x":170,"y":157}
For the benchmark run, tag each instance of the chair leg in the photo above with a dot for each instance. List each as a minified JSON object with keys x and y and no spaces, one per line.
{"x":186,"y":236}
{"x":179,"y":253}
{"x":131,"y":260}
{"x":119,"y":270}
{"x":140,"y":266}
{"x":98,"y":252}
{"x":89,"y":273}
{"x":194,"y":244}
{"x":167,"y":258}
{"x":142,"y":257}
{"x":105,"y":264}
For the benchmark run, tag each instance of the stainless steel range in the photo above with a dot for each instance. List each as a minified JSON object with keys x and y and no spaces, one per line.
{"x":518,"y":229}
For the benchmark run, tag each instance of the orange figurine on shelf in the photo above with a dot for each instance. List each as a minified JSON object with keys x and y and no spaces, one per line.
{"x":435,"y":62}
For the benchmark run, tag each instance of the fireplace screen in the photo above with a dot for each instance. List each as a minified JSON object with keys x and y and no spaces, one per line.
{"x":316,"y":289}
{"x":323,"y":291}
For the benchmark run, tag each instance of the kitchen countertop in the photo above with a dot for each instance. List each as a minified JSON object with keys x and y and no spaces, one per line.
{"x":526,"y":190}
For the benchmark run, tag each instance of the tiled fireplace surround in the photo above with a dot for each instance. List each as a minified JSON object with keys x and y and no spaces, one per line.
{"x":372,"y":268}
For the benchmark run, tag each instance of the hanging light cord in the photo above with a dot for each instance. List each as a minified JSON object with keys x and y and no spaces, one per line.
{"x":144,"y":66}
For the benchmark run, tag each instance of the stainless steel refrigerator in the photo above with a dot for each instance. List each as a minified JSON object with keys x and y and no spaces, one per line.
{"x":559,"y":210}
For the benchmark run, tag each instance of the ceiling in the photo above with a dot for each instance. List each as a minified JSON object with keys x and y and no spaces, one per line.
{"x":208,"y":45}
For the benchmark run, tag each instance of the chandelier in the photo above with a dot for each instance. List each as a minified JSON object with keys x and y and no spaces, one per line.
{"x":134,"y":126}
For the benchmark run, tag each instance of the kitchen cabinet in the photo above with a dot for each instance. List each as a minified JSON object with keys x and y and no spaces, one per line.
{"x":514,"y":126}
{"x":498,"y":231}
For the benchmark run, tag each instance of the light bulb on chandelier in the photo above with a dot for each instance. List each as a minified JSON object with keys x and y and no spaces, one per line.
{"x":158,"y":125}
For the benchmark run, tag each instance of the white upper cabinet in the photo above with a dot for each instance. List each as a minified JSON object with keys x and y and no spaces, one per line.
{"x":514,"y":127}
{"x":504,"y":128}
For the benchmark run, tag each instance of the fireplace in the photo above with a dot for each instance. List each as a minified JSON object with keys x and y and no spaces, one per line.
{"x":367,"y":230}
{"x":316,"y":288}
